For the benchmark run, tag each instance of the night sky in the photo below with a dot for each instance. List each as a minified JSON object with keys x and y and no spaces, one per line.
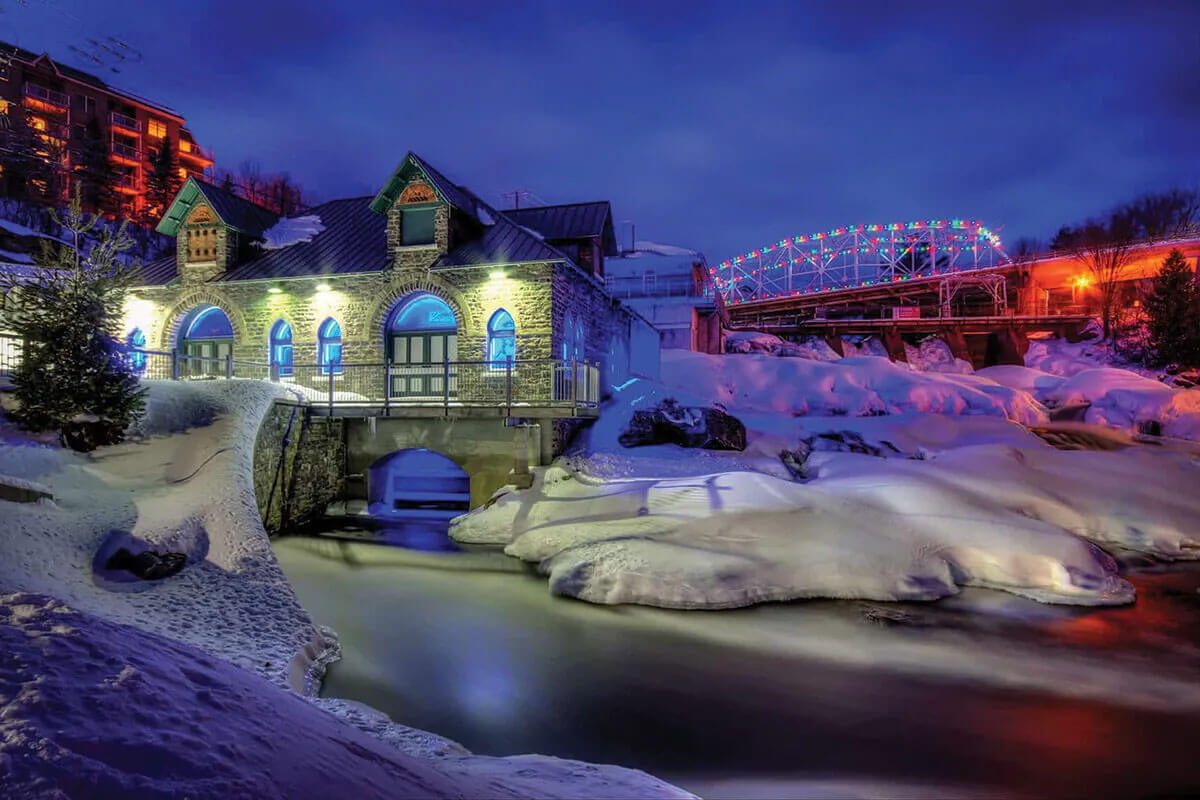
{"x":719,"y":126}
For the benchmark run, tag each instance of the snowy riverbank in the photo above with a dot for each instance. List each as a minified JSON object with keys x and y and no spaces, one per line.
{"x":118,"y":687}
{"x":956,"y":494}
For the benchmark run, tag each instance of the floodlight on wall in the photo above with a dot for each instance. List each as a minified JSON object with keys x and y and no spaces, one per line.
{"x":323,"y":287}
{"x":274,"y":290}
{"x":497,"y":274}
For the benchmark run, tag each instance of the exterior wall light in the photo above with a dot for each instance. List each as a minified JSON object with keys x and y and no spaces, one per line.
{"x":274,"y":290}
{"x":323,"y":287}
{"x":497,"y":274}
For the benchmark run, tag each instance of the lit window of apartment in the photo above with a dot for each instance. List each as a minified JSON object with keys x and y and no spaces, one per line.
{"x":183,"y":174}
{"x":37,"y":123}
{"x":157,"y":129}
{"x":185,"y":146}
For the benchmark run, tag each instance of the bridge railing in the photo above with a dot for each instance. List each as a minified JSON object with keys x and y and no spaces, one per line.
{"x":507,"y":384}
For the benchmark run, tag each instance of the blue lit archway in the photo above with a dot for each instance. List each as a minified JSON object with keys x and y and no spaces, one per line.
{"x":205,"y":340}
{"x":421,"y":341}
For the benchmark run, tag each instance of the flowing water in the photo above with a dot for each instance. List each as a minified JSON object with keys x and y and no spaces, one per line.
{"x":982,"y":694}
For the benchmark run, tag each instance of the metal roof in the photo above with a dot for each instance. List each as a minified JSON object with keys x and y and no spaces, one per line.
{"x":158,"y":272}
{"x":504,"y":242}
{"x":354,"y":239}
{"x":568,"y":221}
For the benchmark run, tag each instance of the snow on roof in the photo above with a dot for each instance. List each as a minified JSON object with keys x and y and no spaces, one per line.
{"x":292,"y":230}
{"x":659,"y":249}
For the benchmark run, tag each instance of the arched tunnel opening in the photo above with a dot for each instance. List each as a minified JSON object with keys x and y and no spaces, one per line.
{"x":417,"y":484}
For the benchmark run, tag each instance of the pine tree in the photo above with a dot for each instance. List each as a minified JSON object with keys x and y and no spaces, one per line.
{"x":74,"y":375}
{"x":163,"y":181}
{"x":1173,"y":311}
{"x":96,"y":174}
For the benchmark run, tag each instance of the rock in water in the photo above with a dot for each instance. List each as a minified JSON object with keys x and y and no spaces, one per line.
{"x":671,"y":423}
{"x":148,"y":565}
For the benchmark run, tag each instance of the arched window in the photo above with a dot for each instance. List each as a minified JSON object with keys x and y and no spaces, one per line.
{"x":281,"y":347}
{"x":578,"y":354}
{"x":329,"y":347}
{"x":568,"y":338}
{"x":137,"y":345}
{"x":502,"y":339}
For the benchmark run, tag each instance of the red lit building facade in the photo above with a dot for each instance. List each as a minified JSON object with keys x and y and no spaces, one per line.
{"x":62,"y":119}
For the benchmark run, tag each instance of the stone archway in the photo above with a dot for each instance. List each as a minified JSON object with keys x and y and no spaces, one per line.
{"x":169,"y":336}
{"x":382,"y":312}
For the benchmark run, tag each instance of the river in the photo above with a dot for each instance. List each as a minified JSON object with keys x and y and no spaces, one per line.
{"x":981,"y":694}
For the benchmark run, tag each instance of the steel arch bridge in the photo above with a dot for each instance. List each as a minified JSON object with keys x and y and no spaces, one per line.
{"x":858,"y":256}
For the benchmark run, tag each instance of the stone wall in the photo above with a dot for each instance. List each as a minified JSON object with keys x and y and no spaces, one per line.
{"x":299,"y":466}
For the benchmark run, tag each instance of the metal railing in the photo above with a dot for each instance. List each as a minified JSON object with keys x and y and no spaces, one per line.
{"x":47,"y":95}
{"x":123,"y":121}
{"x":193,"y":150}
{"x":508,"y":385}
{"x":125,"y":151}
{"x":654,"y":286}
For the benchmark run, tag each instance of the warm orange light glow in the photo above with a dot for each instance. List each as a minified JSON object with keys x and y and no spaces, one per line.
{"x":1082,"y":282}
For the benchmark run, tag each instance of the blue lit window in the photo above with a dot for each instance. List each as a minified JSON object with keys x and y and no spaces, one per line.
{"x":329,"y":347}
{"x":424,"y":312}
{"x":209,"y":323}
{"x":137,"y":345}
{"x":502,"y":339}
{"x":568,"y":338}
{"x":281,"y":347}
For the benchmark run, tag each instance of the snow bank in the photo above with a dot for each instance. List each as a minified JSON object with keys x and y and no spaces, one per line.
{"x":852,"y":386}
{"x":110,"y":710}
{"x":964,"y":496}
{"x":175,"y":687}
{"x":1025,"y":519}
{"x":292,"y":230}
{"x":758,"y":342}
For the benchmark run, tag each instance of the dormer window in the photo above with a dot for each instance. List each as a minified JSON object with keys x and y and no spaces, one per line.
{"x":417,"y":226}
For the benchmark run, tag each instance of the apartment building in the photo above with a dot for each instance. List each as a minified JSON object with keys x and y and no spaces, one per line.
{"x":53,"y":114}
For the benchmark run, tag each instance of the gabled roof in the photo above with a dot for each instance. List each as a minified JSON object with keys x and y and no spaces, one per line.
{"x":354,"y":239}
{"x":503,"y":242}
{"x":236,"y":212}
{"x":79,"y":76}
{"x":410,"y":168}
{"x":567,"y":221}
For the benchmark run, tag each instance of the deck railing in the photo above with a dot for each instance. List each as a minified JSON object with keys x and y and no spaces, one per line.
{"x":382,"y":386}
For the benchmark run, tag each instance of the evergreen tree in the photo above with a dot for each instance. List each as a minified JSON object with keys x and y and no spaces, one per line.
{"x":1173,"y":313}
{"x":96,"y":173}
{"x":74,"y":375}
{"x":163,"y":181}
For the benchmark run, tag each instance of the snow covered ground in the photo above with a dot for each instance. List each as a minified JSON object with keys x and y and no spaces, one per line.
{"x":966,"y":497}
{"x":194,"y":685}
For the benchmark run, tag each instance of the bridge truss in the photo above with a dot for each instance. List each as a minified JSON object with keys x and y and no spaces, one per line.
{"x":858,"y":256}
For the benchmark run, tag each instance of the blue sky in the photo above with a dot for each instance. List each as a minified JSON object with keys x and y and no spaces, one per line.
{"x":720,"y":126}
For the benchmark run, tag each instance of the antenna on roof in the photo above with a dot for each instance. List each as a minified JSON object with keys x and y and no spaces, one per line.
{"x":516,"y":196}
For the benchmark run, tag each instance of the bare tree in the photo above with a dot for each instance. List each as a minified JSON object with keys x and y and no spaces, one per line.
{"x":1105,"y":248}
{"x":1172,"y":214}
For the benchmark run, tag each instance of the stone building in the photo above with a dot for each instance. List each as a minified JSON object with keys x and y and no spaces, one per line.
{"x":422,"y":302}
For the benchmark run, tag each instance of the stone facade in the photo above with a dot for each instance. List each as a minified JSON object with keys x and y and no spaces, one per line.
{"x":298,"y":467}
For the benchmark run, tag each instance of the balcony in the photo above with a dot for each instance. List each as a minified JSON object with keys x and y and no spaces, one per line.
{"x":194,"y":152}
{"x":125,"y":124}
{"x":125,"y":154}
{"x":44,"y":99}
{"x":126,"y":184}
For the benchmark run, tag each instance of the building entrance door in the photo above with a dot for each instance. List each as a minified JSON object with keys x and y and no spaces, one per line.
{"x":422,"y":362}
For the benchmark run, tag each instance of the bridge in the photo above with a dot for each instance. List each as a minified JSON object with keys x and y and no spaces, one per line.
{"x":918,"y":277}
{"x":858,"y":257}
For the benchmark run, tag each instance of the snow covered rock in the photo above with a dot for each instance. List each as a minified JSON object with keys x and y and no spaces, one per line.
{"x":670,"y":423}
